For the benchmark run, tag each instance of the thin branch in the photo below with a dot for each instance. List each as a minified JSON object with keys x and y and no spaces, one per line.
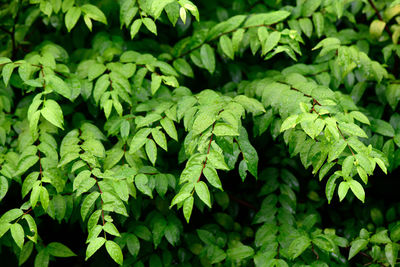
{"x":242,"y":202}
{"x":5,"y":30}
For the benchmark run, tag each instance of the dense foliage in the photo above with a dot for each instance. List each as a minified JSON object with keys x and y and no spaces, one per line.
{"x":227,"y":133}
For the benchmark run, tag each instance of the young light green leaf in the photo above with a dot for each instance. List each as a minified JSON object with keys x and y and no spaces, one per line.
{"x":93,"y":246}
{"x":135,"y":27}
{"x":360,"y":117}
{"x":114,"y":250}
{"x":159,"y":138}
{"x":17,"y":233}
{"x":352,"y":129}
{"x":212,"y":177}
{"x":342,"y":190}
{"x":188,"y":207}
{"x":155,"y":82}
{"x":347,"y":166}
{"x":357,"y":189}
{"x":289,"y":122}
{"x":298,"y":246}
{"x":150,"y":25}
{"x":203,"y":192}
{"x":52,"y":112}
{"x":71,"y":17}
{"x":88,"y":203}
{"x":336,"y":149}
{"x":151,"y":151}
{"x":180,"y":197}
{"x":93,"y":12}
{"x":271,"y":42}
{"x":357,"y":246}
{"x":111,"y":229}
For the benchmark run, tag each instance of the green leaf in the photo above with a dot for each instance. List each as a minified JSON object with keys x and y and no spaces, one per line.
{"x":347,"y":166}
{"x":42,"y":258}
{"x":352,"y":129}
{"x":71,"y":17}
{"x":133,"y":244}
{"x":357,"y":189}
{"x":271,"y":42}
{"x":35,"y":194}
{"x":25,"y":253}
{"x":226,"y":46}
{"x":150,"y":25}
{"x":159,"y":138}
{"x":330,"y":187}
{"x":83,"y":181}
{"x":88,"y":203}
{"x":44,"y":198}
{"x":203,"y":193}
{"x":161,"y":184}
{"x":309,"y":7}
{"x":59,"y":86}
{"x":6,"y":72}
{"x":180,"y":197}
{"x":237,"y":38}
{"x":94,"y":13}
{"x":336,"y":149}
{"x":204,"y":120}
{"x":360,"y":117}
{"x":188,"y":207}
{"x":380,"y":237}
{"x":114,"y":251}
{"x":135,"y":27}
{"x":59,"y":250}
{"x":382,"y":127}
{"x":11,"y":215}
{"x":207,"y":57}
{"x":239,"y":253}
{"x":182,"y":66}
{"x":17,"y":233}
{"x":306,"y":26}
{"x":289,"y":122}
{"x":169,"y":128}
{"x":298,"y":246}
{"x":93,"y":246}
{"x":111,"y":229}
{"x":318,"y":20}
{"x":29,"y":182}
{"x":139,"y":140}
{"x":52,"y":112}
{"x":155,"y":82}
{"x":212,"y":177}
{"x":391,"y":253}
{"x":376,"y":28}
{"x":141,"y":181}
{"x":3,"y":187}
{"x":151,"y":151}
{"x":342,"y":191}
{"x":357,"y":246}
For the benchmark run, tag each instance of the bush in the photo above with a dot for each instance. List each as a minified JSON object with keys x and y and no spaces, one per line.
{"x":113,"y":150}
